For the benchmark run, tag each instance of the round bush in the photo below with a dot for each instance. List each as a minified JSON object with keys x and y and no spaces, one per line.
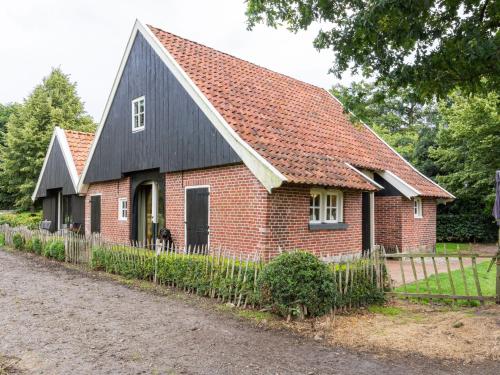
{"x":297,"y":283}
{"x":37,"y":245}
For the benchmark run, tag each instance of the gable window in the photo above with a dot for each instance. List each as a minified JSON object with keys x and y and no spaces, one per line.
{"x":122,"y":209}
{"x":325,"y":206}
{"x":417,"y":207}
{"x":138,"y":114}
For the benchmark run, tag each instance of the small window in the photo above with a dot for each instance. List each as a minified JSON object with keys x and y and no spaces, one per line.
{"x":417,"y":208}
{"x":122,"y":209}
{"x":325,"y":206}
{"x":315,"y":207}
{"x":138,"y":114}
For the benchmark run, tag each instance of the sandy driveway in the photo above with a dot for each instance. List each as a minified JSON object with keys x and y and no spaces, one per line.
{"x":61,"y":321}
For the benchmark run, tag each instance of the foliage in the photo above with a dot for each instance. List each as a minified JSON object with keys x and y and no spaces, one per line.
{"x":468,"y":150}
{"x":29,"y":129}
{"x":54,"y":249}
{"x":204,"y":274}
{"x":30,"y":220}
{"x":465,"y":228}
{"x":487,"y":282}
{"x":397,"y":117}
{"x":363,"y":289}
{"x":5,"y":112}
{"x":2,"y":239}
{"x":431,"y":46}
{"x":297,"y":283}
{"x":37,"y":245}
{"x":18,"y":241}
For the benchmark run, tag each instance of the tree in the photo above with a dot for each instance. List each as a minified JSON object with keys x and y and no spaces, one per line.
{"x":5,"y":112}
{"x":430,"y":46}
{"x":468,"y":149}
{"x":398,"y":118}
{"x":53,"y":102}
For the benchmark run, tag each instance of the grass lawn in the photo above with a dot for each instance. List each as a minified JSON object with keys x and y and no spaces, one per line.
{"x":452,"y":247}
{"x":487,"y":281}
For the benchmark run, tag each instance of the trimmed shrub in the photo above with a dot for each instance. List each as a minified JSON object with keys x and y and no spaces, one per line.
{"x":37,"y":245}
{"x":29,"y":246}
{"x":55,"y":250}
{"x":18,"y":241}
{"x":204,"y":273}
{"x":297,"y":283}
{"x":2,"y":239}
{"x":363,"y":289}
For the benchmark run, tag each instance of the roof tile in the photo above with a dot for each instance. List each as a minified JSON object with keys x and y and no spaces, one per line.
{"x":299,"y":128}
{"x":79,"y":145}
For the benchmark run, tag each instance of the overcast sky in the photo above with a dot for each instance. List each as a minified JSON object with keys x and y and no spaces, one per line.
{"x":86,"y":38}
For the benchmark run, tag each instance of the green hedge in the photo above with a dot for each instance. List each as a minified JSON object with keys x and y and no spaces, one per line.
{"x":18,"y":241}
{"x":204,"y":274}
{"x":465,"y":228}
{"x":54,"y":249}
{"x":2,"y":239}
{"x":22,"y":219}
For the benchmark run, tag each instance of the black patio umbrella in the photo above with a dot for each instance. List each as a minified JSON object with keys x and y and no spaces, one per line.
{"x":496,"y":206}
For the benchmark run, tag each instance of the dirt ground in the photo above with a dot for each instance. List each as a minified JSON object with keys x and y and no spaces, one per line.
{"x":57,"y":320}
{"x":468,"y":335}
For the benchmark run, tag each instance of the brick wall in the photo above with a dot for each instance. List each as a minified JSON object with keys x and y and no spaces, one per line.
{"x":419,"y":233}
{"x":289,"y":224}
{"x":238,"y":206}
{"x":388,"y":222}
{"x":395,"y":224}
{"x":111,"y":228}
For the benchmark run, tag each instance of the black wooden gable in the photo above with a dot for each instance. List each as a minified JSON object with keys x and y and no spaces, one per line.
{"x":177,"y":136}
{"x":56,"y":174}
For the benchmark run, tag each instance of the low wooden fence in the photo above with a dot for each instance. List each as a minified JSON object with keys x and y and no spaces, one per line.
{"x":215,"y":272}
{"x":427,"y":280}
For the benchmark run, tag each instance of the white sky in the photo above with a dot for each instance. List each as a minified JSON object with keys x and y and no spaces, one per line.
{"x":86,"y":38}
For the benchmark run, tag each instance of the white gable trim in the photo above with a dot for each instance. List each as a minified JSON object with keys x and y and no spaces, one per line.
{"x":264,"y":171}
{"x":393,"y":150}
{"x":406,"y":189}
{"x":367,"y":178}
{"x":60,"y":135}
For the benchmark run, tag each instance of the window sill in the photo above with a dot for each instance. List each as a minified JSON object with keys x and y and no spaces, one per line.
{"x":328,"y":226}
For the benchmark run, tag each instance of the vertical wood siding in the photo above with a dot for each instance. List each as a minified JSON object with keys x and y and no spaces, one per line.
{"x":56,"y":174}
{"x":177,"y":136}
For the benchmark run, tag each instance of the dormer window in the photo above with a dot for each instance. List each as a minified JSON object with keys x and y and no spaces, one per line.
{"x":138,"y":114}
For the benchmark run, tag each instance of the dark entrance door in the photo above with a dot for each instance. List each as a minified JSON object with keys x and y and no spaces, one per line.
{"x":197,"y":217}
{"x":95,"y":214}
{"x":366,"y":222}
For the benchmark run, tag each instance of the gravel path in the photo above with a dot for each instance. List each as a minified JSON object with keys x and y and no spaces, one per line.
{"x":63,"y":321}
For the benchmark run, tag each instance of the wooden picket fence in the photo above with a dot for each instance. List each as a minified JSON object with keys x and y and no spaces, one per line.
{"x":427,"y":284}
{"x":219,"y":273}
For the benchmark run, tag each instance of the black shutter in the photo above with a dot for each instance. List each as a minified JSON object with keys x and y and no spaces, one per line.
{"x":366,"y":222}
{"x":95,"y":214}
{"x":197,"y":229}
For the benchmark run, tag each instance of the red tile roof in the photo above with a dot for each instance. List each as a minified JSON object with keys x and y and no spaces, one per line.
{"x":297,"y":127}
{"x":79,"y":145}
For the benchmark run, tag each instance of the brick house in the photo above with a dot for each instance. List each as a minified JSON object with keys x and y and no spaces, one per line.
{"x":224,"y":152}
{"x":57,"y":185}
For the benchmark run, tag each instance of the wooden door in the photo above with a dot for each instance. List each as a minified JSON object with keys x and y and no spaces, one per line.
{"x":197,"y":229}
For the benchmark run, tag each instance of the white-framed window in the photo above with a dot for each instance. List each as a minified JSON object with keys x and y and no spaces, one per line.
{"x":315,"y":208}
{"x":139,"y":114}
{"x":417,"y":207}
{"x":326,"y":206}
{"x":122,"y":209}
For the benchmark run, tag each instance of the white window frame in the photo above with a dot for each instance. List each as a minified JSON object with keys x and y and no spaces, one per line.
{"x":322,"y":212}
{"x":138,"y":114}
{"x":122,"y":211}
{"x":417,"y":208}
{"x":315,"y":193}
